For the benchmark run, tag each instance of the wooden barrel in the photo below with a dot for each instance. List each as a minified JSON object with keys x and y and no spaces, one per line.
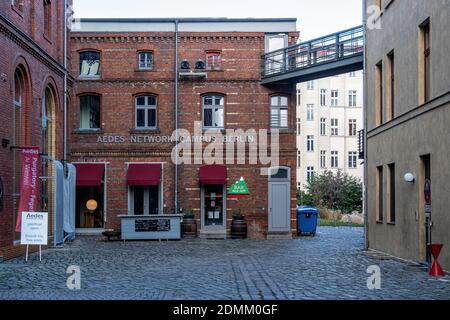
{"x":238,"y":228}
{"x":189,"y":228}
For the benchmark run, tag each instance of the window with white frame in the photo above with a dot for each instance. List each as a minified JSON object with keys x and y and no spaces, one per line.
{"x":89,"y":64}
{"x":144,"y":200}
{"x":310,"y":143}
{"x":352,"y":98}
{"x":145,"y":112}
{"x":213,"y":111}
{"x":323,"y":157}
{"x":334,"y":127}
{"x":323,"y":97}
{"x":323,"y":126}
{"x":279,"y":112}
{"x":310,"y":85}
{"x":213,"y":61}
{"x":352,"y":127}
{"x":89,"y":112}
{"x":299,"y":126}
{"x":310,"y":112}
{"x":352,"y":159}
{"x":334,"y":98}
{"x":146,"y":60}
{"x":309,"y":173}
{"x":334,"y":159}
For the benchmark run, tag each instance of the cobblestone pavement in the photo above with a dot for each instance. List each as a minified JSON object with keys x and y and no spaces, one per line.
{"x":331,"y":265}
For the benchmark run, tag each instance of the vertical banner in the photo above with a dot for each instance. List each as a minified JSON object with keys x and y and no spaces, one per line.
{"x":29,"y":184}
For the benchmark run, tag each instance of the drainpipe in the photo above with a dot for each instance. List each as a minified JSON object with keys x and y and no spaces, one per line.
{"x":366,"y":214}
{"x":176,"y":115}
{"x":65,"y":79}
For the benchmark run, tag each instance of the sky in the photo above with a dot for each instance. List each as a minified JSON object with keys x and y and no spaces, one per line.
{"x":315,"y":17}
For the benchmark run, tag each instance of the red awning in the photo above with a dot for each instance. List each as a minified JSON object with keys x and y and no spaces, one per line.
{"x":213,"y":174}
{"x":144,"y":174}
{"x":89,"y":174}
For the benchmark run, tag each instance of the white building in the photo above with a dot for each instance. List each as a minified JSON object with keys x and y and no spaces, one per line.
{"x":329,"y":117}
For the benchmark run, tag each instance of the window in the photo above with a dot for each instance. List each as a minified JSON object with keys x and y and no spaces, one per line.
{"x":90,"y":112}
{"x":352,"y":127}
{"x":334,"y":98}
{"x":144,"y":200}
{"x":352,"y":159}
{"x":352,"y":98}
{"x":18,"y":4}
{"x":299,"y":126}
{"x":310,"y":143}
{"x":334,"y":127}
{"x":89,"y":64}
{"x":299,"y":159}
{"x":352,"y":74}
{"x":279,"y":112}
{"x":309,"y":173}
{"x":390,"y":87}
{"x":299,"y":97}
{"x":310,"y":85}
{"x":145,"y":112}
{"x":391,"y":197}
{"x":380,"y":195}
{"x":334,"y":159}
{"x":323,"y":126}
{"x":424,"y":62}
{"x":47,"y":18}
{"x":213,"y":111}
{"x":379,"y":93}
{"x":213,"y":61}
{"x":323,"y":97}
{"x":323,"y":159}
{"x":145,"y":60}
{"x":310,"y":112}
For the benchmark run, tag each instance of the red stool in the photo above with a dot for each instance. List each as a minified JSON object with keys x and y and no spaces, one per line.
{"x":436,"y":269}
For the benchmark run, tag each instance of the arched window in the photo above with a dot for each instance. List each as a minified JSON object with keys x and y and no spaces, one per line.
{"x":89,"y":64}
{"x":47,"y":146}
{"x":213,"y":111}
{"x":145,"y":112}
{"x":279,"y":111}
{"x":89,"y":112}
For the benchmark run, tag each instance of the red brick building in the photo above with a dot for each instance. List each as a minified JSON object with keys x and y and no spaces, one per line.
{"x":134,"y":88}
{"x":31,"y":109}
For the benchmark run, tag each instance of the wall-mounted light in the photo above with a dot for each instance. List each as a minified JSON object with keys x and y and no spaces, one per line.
{"x":409,"y":177}
{"x":5,"y":143}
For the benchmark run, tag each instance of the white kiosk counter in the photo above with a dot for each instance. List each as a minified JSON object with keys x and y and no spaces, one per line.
{"x":151,"y":227}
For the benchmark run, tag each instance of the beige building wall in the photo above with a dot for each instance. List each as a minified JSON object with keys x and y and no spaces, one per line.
{"x":418,"y":128}
{"x":310,"y":94}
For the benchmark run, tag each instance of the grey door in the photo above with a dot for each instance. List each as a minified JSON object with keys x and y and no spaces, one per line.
{"x":279,"y":202}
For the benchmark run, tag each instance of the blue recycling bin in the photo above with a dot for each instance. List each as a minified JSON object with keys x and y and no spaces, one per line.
{"x":307,"y":220}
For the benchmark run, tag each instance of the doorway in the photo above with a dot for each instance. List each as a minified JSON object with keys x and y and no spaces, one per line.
{"x":424,"y":219}
{"x":90,"y":215}
{"x":213,"y":202}
{"x":279,"y":200}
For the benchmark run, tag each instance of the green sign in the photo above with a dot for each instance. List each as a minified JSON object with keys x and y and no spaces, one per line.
{"x":239,"y":188}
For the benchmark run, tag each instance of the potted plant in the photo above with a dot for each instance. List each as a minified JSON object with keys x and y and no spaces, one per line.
{"x":189,"y":225}
{"x":238,"y":225}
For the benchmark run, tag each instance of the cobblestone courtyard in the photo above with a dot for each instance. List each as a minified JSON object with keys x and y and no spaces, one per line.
{"x":330,"y":266}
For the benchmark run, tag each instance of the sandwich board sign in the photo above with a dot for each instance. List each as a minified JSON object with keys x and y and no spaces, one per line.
{"x":34,"y":230}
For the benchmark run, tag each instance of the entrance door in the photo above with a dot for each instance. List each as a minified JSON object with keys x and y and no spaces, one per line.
{"x":424,"y":218}
{"x":279,"y":200}
{"x":213,"y":207}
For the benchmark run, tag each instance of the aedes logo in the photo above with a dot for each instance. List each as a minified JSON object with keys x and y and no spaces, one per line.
{"x":374,"y":280}
{"x":373,"y":17}
{"x":74,"y":279}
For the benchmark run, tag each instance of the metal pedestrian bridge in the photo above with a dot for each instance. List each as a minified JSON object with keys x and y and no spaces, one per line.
{"x":327,"y":56}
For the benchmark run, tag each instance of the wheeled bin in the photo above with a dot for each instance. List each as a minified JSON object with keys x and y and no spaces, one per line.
{"x":307,"y":220}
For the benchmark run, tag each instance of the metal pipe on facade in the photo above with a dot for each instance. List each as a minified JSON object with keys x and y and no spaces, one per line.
{"x":366,"y":215}
{"x":176,"y":116}
{"x":65,"y":79}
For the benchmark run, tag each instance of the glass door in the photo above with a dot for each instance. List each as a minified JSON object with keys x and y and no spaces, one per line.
{"x":213,"y":205}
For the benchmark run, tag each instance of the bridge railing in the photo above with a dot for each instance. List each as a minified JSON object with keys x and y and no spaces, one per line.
{"x":330,"y":48}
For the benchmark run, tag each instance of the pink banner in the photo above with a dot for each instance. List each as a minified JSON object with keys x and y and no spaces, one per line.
{"x":29,"y":185}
